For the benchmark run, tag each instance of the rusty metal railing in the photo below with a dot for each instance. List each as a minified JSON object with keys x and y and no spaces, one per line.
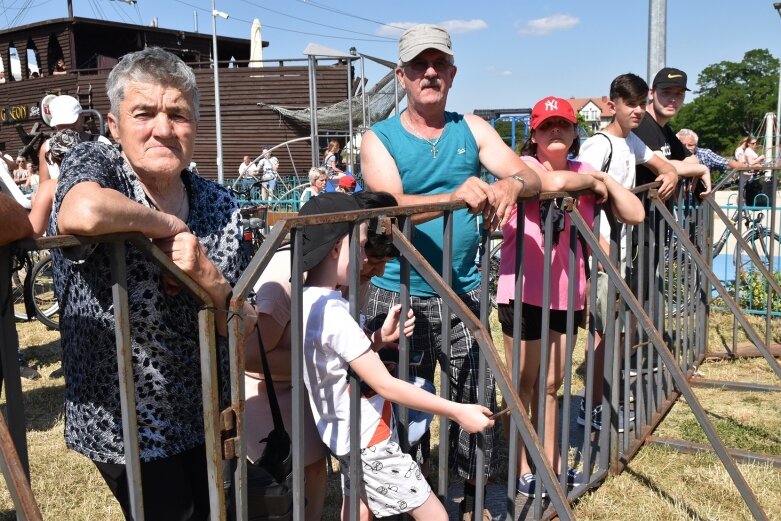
{"x":207,"y":342}
{"x":671,"y":322}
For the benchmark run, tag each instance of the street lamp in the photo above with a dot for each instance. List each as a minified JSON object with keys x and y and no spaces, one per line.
{"x":215,"y":14}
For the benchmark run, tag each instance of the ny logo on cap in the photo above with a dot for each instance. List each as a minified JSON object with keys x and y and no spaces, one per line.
{"x":551,"y":104}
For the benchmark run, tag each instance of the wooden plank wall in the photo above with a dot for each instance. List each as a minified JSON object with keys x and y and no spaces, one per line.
{"x":40,"y":37}
{"x":246,"y":127}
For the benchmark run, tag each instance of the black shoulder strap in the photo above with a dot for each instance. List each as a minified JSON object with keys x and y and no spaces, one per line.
{"x":606,"y":163}
{"x":276,"y":414}
{"x":584,"y":247}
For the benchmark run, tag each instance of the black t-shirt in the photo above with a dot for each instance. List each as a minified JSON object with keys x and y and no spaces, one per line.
{"x":660,"y":138}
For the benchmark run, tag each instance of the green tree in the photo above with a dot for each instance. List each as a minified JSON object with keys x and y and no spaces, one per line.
{"x":732,"y":98}
{"x":504,"y":129}
{"x":583,"y":124}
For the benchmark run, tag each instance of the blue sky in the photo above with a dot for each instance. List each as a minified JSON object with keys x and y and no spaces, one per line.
{"x":509,"y":54}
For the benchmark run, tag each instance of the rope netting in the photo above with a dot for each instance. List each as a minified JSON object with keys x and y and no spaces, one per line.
{"x":380,"y":102}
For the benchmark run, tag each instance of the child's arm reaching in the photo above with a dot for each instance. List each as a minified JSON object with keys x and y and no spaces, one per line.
{"x":472,"y":417}
{"x":389,"y":332}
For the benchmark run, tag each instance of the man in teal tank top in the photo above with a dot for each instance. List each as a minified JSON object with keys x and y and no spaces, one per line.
{"x":428,"y":155}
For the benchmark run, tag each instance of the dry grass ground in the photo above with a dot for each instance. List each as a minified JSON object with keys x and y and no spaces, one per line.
{"x":659,"y":484}
{"x":66,"y":484}
{"x":662,"y":484}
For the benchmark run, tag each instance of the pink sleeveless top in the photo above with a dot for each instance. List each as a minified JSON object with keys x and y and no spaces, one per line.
{"x":533,"y":255}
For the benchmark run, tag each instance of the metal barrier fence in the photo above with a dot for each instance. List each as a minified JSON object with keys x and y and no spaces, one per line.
{"x":19,"y":484}
{"x":665,"y":321}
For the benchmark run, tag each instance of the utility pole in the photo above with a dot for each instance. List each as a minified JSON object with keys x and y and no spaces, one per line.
{"x":657,"y":37}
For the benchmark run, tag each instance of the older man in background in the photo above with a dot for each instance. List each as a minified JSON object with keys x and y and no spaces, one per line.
{"x":706,"y":156}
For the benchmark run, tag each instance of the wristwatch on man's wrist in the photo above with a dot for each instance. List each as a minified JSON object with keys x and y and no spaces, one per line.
{"x":520,"y":180}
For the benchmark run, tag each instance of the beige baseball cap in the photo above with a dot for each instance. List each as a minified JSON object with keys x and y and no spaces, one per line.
{"x":420,"y":37}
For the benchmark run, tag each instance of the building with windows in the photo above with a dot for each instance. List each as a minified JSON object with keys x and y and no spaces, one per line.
{"x":595,"y":112}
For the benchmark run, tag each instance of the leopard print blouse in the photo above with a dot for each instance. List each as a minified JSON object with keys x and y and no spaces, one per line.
{"x":164,"y":329}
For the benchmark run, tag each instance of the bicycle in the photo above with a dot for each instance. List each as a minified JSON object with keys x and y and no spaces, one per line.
{"x":247,"y":189}
{"x":41,"y":293}
{"x":32,"y":286}
{"x":758,"y":236}
{"x":755,"y":233}
{"x":253,"y":224}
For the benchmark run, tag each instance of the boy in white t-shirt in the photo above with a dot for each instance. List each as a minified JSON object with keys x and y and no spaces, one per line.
{"x":334,"y":344}
{"x":617,"y":151}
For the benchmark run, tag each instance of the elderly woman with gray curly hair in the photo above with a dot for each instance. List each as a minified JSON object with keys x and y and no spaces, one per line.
{"x":145,"y":187}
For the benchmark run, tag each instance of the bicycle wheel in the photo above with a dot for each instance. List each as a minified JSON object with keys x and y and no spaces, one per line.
{"x":42,"y":288}
{"x":18,"y":278}
{"x":17,"y":294}
{"x":759,"y":240}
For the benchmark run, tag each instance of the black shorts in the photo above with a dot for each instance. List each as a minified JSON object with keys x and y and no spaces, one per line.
{"x":531,"y":320}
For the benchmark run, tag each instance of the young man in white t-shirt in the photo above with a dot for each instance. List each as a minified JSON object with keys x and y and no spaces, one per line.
{"x":334,"y":343}
{"x":617,"y":148}
{"x":617,"y":151}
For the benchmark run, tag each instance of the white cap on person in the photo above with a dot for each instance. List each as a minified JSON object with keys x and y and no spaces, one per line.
{"x":65,"y":110}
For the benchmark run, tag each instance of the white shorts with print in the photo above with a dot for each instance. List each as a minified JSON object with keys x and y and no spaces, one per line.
{"x":392,"y":481}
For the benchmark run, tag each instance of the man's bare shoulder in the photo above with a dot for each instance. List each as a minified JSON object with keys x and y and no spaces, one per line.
{"x":475,"y":120}
{"x":480,"y":129}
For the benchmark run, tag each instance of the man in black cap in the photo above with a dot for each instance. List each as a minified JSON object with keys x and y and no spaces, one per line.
{"x":666,"y":99}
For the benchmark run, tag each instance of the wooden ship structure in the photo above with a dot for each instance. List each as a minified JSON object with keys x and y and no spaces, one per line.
{"x":90,"y":48}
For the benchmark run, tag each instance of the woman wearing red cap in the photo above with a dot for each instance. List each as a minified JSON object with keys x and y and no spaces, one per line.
{"x":553,"y":139}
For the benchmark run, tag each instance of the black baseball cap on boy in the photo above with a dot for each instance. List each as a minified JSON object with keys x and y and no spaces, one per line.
{"x":318,"y":239}
{"x":669,"y":77}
